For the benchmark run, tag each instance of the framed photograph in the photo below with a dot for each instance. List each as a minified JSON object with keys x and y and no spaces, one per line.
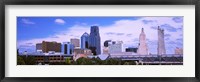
{"x":105,"y":40}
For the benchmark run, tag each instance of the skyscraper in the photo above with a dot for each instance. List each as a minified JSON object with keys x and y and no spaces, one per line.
{"x":85,"y":41}
{"x":161,"y":44}
{"x":95,"y":40}
{"x":75,"y":42}
{"x":142,"y":49}
{"x":68,"y":48}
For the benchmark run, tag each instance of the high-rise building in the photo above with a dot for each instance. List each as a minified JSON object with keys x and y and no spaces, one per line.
{"x":161,"y":42}
{"x":115,"y":47}
{"x":68,"y":48}
{"x":51,"y":46}
{"x":85,"y":40}
{"x":95,"y":40}
{"x":75,"y":42}
{"x":38,"y":46}
{"x":142,"y":49}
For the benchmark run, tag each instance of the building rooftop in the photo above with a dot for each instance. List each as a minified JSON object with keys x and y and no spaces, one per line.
{"x":103,"y":56}
{"x":85,"y":34}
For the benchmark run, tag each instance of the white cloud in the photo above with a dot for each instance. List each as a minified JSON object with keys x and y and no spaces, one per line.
{"x":126,"y":30}
{"x":26,"y":21}
{"x":59,"y":21}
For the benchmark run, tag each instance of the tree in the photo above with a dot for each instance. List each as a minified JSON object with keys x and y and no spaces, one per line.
{"x":98,"y":61}
{"x":20,"y":61}
{"x":30,"y":60}
{"x":129,"y":63}
{"x":68,"y":61}
{"x":126,"y":63}
{"x":83,"y":61}
{"x":113,"y":62}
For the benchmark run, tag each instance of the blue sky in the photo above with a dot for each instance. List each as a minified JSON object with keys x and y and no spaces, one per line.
{"x":42,"y":27}
{"x":32,"y":30}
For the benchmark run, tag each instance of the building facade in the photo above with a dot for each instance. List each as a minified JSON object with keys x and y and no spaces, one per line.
{"x":38,"y":46}
{"x":105,"y":50}
{"x":105,"y":46}
{"x":95,"y":40}
{"x":75,"y":42}
{"x":68,"y":48}
{"x":131,"y":50}
{"x":85,"y":41}
{"x":115,"y":47}
{"x":161,"y":42}
{"x":123,"y":54}
{"x":50,"y":46}
{"x":79,"y":53}
{"x":106,"y":43}
{"x":82,"y":51}
{"x":142,"y":48}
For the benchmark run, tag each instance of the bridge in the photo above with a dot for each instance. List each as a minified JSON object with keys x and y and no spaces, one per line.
{"x":167,"y":59}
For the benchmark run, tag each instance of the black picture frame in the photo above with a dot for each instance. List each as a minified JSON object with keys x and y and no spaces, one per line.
{"x":98,"y":2}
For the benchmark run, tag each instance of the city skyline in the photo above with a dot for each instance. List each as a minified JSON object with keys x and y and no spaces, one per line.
{"x":126,"y":29}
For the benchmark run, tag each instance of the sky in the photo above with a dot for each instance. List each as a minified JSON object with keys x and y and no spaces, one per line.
{"x":32,"y":30}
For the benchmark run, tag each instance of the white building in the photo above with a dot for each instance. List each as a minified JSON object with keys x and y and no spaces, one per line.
{"x":115,"y":47}
{"x":123,"y":54}
{"x":142,"y":48}
{"x":161,"y":42}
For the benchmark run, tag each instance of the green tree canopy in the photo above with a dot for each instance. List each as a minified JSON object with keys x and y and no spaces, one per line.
{"x":20,"y":61}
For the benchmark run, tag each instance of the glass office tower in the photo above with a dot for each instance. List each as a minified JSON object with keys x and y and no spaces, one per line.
{"x":85,"y":41}
{"x":95,"y":40}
